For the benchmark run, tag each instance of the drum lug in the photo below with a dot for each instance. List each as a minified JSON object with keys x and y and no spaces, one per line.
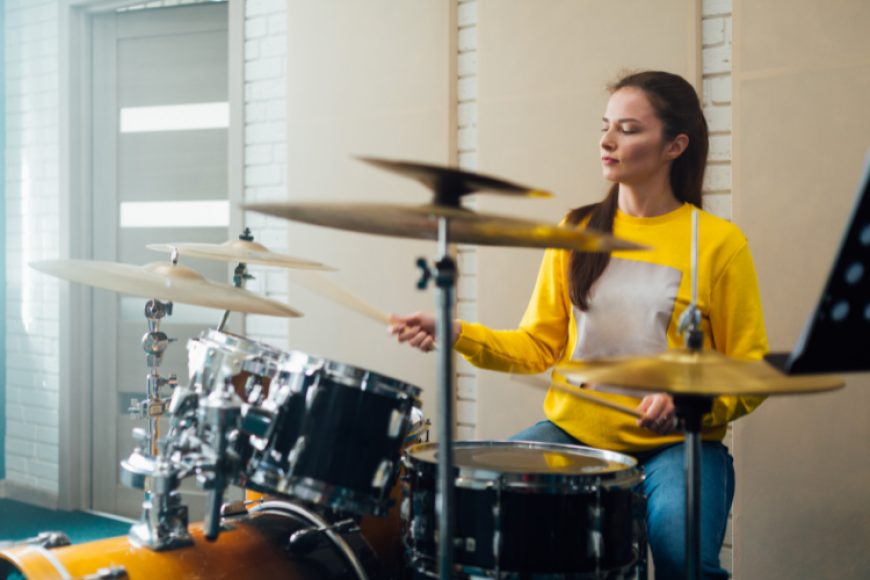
{"x":297,"y":450}
{"x":397,"y":424}
{"x":467,"y":544}
{"x":383,"y":474}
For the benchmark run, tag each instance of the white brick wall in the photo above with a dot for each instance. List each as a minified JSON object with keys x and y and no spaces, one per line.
{"x":716,"y":100}
{"x":32,"y":163}
{"x":266,"y":150}
{"x":466,"y":293}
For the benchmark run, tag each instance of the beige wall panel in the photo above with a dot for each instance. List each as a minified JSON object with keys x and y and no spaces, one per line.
{"x":801,"y":130}
{"x":371,"y":78}
{"x":541,"y":75}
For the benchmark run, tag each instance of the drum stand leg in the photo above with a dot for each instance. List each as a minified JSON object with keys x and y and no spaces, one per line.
{"x":690,"y":409}
{"x":445,"y":286}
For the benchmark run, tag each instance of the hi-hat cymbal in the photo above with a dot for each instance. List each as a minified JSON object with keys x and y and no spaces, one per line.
{"x":704,"y":372}
{"x":421,"y":222}
{"x":448,"y":183}
{"x":163,"y":281}
{"x":244,"y":251}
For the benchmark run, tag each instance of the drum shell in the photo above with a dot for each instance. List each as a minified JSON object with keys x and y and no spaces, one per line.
{"x":543,"y":530}
{"x":345,"y":440}
{"x":252,"y":547}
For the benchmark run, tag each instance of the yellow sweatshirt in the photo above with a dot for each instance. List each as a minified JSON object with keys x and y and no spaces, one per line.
{"x":634,"y":308}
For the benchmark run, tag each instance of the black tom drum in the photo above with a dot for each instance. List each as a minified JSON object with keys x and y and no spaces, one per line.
{"x":526,"y":508}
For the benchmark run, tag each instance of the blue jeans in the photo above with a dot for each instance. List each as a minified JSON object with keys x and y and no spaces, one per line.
{"x":665,"y":486}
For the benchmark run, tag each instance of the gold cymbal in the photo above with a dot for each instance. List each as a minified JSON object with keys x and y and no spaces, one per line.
{"x":163,"y":281}
{"x":686,"y":372}
{"x":448,"y":183}
{"x":421,"y":222}
{"x":244,"y":251}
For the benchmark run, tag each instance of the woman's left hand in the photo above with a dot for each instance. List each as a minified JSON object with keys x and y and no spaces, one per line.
{"x":658,"y":413}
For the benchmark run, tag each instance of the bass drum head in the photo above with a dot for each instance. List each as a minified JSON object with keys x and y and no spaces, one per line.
{"x":250,"y":547}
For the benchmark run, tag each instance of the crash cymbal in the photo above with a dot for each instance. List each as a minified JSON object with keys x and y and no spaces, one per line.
{"x":687,"y":372}
{"x":448,"y":183}
{"x":421,"y":222}
{"x":163,"y":281}
{"x":244,"y":251}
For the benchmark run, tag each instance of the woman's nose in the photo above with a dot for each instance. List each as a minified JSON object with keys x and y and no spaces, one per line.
{"x":607,"y":141}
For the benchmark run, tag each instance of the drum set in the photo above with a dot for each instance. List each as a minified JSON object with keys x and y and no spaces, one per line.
{"x":341,"y":479}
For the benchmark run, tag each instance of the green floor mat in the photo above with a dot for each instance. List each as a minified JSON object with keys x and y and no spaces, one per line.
{"x":19,"y":521}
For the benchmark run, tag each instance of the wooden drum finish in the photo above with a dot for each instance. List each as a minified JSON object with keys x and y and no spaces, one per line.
{"x":250,"y":548}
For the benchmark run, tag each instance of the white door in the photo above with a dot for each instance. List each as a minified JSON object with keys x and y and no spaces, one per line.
{"x":160,"y":86}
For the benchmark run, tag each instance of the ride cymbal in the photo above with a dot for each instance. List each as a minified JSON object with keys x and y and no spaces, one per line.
{"x":703,"y":372}
{"x":421,"y":222}
{"x":243,"y":251}
{"x":163,"y":281}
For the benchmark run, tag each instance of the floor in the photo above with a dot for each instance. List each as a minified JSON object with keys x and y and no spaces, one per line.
{"x":19,"y":521}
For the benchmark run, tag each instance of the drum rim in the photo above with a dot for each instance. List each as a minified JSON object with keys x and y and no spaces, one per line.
{"x":480,"y":478}
{"x":348,"y":375}
{"x":237,"y":340}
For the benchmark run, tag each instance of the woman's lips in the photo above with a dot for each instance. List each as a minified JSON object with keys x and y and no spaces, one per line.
{"x":608,"y":160}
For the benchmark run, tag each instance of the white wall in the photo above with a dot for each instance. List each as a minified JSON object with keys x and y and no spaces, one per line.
{"x":266,"y":151}
{"x":32,"y":164}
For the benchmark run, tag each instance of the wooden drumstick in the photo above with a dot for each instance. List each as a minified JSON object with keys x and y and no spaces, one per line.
{"x":575,"y":392}
{"x":325,"y":287}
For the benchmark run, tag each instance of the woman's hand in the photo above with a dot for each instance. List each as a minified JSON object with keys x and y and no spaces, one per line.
{"x":418,"y":330}
{"x":658,"y":413}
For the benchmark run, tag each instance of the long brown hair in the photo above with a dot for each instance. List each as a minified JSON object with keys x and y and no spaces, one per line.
{"x":677,"y":106}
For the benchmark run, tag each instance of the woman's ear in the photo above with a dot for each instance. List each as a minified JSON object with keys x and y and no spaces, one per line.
{"x":676,"y":147}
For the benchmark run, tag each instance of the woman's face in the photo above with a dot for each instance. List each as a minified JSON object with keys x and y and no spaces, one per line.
{"x":632,"y":148}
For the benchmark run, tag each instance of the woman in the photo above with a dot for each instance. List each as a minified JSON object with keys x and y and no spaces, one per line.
{"x":654,"y":150}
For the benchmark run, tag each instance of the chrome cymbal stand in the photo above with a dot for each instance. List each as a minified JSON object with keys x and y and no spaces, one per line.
{"x":240,"y":276}
{"x":444,"y":274}
{"x":690,"y":410}
{"x":154,"y":343}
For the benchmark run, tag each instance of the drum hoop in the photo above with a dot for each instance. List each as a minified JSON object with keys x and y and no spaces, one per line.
{"x":426,"y":566}
{"x":349,"y":376}
{"x":283,"y":507}
{"x":483,"y":478}
{"x":334,"y":496}
{"x":246,"y":355}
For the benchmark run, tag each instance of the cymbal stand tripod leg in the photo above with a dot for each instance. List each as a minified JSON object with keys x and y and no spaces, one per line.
{"x":690,"y":409}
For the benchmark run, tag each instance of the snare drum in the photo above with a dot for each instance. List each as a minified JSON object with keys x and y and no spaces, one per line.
{"x":524,"y":508}
{"x":252,"y":546}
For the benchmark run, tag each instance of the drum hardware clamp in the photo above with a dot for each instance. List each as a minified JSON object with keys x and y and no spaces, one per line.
{"x":240,"y":276}
{"x":46,"y":540}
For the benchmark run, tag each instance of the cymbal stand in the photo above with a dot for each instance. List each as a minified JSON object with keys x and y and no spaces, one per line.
{"x":690,"y":410}
{"x":240,"y":276}
{"x":154,"y":343}
{"x":444,"y":274}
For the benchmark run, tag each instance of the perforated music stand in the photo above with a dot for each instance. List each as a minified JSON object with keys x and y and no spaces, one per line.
{"x":836,"y":335}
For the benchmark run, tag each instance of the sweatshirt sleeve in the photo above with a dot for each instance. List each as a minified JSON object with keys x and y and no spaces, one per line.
{"x":543,"y":332}
{"x":737,"y":324}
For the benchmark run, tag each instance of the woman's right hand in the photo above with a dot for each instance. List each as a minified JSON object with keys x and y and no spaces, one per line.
{"x":418,"y":330}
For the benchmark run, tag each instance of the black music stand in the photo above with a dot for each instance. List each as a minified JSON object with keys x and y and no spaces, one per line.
{"x":836,"y":335}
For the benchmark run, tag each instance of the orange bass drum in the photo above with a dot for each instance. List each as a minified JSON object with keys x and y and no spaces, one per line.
{"x":277,"y":539}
